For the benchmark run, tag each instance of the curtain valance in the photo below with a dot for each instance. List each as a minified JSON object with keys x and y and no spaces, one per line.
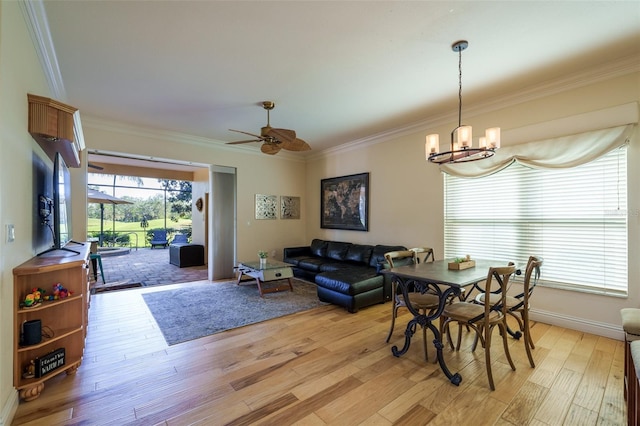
{"x":562,"y":152}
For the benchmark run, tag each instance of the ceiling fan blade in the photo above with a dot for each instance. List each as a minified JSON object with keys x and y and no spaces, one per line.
{"x":283,"y":135}
{"x":246,"y":133}
{"x":247,"y":141}
{"x":295,"y":145}
{"x":269,"y":148}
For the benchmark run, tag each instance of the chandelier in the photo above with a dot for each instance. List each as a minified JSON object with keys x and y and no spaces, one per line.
{"x":462,"y":149}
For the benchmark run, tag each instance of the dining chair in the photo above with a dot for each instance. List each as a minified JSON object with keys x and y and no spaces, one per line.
{"x":429,"y":256}
{"x":518,"y":305}
{"x":422,"y":302}
{"x":483,"y":318}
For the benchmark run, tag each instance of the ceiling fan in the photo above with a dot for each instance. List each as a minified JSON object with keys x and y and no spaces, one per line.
{"x":273,"y":140}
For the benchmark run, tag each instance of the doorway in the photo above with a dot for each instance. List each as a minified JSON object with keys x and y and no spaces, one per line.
{"x":213,"y":189}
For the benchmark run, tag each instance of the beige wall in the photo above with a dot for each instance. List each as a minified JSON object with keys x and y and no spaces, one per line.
{"x":199,"y":188}
{"x":406,"y":195}
{"x":20,"y":73}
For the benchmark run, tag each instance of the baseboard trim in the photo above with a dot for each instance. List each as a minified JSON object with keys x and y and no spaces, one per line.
{"x":612,"y":331}
{"x":9,"y":409}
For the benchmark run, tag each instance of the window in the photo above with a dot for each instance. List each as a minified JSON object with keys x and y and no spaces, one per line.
{"x":575,"y":218}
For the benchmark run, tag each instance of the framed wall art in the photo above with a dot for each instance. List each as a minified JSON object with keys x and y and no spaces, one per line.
{"x":289,"y":207}
{"x":344,"y":202}
{"x":266,"y":206}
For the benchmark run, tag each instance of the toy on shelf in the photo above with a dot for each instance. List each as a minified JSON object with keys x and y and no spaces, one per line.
{"x":59,"y":292}
{"x":34,"y":298}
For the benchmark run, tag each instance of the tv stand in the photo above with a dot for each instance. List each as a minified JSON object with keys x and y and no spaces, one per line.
{"x":66,"y":317}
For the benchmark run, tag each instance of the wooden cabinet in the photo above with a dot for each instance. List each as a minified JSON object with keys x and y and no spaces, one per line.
{"x":63,"y":321}
{"x":51,"y":124}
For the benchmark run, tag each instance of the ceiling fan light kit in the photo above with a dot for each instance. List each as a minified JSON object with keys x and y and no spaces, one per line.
{"x":273,"y":140}
{"x":461,"y":149}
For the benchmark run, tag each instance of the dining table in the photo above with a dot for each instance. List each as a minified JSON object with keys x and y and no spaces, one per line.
{"x":436,"y":278}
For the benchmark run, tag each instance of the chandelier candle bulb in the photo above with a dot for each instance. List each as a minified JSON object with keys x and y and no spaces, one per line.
{"x":432,"y":144}
{"x":482,"y":142}
{"x":464,"y":136}
{"x":493,"y":137}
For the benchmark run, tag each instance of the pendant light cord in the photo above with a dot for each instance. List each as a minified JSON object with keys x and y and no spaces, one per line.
{"x":459,"y":87}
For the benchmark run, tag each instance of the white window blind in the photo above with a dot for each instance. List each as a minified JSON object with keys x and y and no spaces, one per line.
{"x":575,"y":218}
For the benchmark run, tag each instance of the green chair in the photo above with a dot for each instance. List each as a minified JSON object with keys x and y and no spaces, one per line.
{"x":97,"y":258}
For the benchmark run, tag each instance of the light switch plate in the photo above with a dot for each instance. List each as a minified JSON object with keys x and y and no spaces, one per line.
{"x":11,"y":233}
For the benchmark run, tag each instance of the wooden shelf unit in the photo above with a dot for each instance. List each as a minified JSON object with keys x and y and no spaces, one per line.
{"x":64,"y":321}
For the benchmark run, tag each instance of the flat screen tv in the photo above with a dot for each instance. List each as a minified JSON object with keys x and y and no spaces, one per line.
{"x":61,"y":206}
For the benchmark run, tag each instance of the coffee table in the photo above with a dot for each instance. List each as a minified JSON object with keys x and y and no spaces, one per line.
{"x":272,"y":270}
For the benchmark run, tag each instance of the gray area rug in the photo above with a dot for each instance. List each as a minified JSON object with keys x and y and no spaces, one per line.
{"x":190,"y":313}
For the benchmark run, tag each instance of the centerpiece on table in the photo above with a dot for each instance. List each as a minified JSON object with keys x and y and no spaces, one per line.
{"x":262,"y":255}
{"x":460,"y":263}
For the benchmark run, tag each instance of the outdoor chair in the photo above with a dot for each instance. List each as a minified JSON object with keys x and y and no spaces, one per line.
{"x":159,"y":239}
{"x":180,"y":239}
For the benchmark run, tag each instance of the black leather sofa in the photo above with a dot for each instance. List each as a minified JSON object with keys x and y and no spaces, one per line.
{"x":345,"y":274}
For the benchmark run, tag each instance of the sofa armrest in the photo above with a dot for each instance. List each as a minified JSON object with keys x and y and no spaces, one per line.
{"x":297,"y":251}
{"x":380,"y":265}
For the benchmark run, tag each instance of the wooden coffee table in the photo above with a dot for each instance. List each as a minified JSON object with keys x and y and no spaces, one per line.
{"x":272,"y":270}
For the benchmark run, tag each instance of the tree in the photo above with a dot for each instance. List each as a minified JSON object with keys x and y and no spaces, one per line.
{"x":179,"y":195}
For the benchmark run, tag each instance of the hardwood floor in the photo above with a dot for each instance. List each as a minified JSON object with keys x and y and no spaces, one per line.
{"x":323,"y":366}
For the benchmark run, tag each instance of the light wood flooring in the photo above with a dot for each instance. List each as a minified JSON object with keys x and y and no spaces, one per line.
{"x":323,"y":366}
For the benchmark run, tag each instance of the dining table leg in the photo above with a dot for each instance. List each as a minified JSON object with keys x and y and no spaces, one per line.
{"x":424,"y":320}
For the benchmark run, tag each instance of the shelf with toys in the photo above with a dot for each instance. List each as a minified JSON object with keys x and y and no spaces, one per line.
{"x":50,"y":318}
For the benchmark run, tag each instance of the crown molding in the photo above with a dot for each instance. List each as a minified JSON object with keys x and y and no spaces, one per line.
{"x":35,"y":18}
{"x":604,"y":72}
{"x":170,"y":136}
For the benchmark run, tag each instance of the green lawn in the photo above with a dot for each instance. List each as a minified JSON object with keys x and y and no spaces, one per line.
{"x":93,"y":225}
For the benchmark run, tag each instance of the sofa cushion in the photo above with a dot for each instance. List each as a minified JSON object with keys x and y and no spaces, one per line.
{"x":377,"y":256}
{"x":350,"y":281}
{"x":359,"y":253}
{"x":319,"y":247}
{"x":295,"y":260}
{"x":334,"y":266}
{"x":312,"y":263}
{"x":337,"y":250}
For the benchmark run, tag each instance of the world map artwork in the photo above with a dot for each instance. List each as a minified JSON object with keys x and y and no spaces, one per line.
{"x":344,"y":202}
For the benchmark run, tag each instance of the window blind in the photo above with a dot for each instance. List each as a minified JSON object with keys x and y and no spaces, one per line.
{"x":575,"y":218}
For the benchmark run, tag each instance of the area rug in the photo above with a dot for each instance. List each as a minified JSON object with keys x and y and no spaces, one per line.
{"x":190,"y":313}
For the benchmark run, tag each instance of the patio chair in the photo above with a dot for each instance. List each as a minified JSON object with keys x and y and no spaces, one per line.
{"x":159,"y":239}
{"x":180,"y":239}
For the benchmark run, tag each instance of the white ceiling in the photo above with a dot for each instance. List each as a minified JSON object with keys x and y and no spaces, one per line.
{"x":338,"y":71}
